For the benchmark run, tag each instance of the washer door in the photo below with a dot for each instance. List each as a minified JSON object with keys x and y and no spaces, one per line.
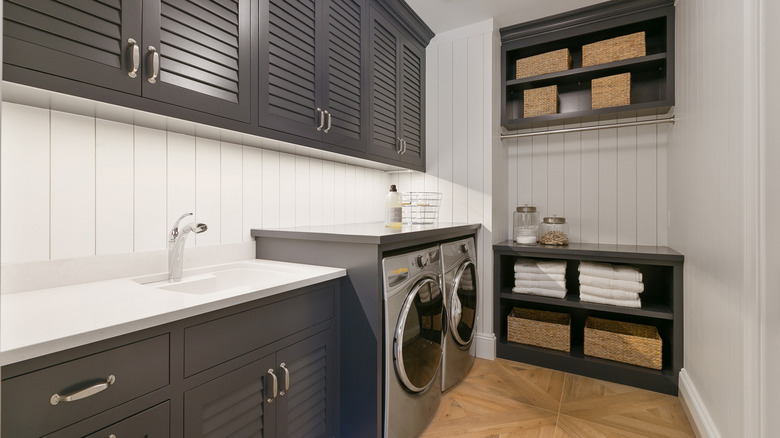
{"x":417,"y":350}
{"x":463,"y":304}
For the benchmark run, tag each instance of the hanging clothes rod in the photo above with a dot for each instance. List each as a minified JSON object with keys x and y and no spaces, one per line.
{"x":590,"y":128}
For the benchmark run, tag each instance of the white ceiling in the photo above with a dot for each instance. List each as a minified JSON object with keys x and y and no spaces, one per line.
{"x":444,"y":15}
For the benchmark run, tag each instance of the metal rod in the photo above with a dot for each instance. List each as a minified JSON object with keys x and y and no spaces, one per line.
{"x":590,"y":128}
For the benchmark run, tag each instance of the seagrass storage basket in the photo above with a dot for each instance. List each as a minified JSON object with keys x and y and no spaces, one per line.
{"x":540,"y":101}
{"x":611,"y":91}
{"x":539,"y":328}
{"x":544,"y":63}
{"x":614,"y":49}
{"x":627,"y":342}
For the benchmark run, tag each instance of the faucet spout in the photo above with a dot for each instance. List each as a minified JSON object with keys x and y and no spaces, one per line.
{"x":176,"y":240}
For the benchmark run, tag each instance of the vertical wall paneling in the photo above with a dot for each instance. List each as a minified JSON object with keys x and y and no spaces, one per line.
{"x":475,"y":130}
{"x":607,"y":174}
{"x":208,"y":191}
{"x":72,"y":186}
{"x":460,"y":122}
{"x":351,"y":195}
{"x":271,"y":190}
{"x":539,"y":182}
{"x":663,"y":189}
{"x":287,"y":189}
{"x":316,"y":192}
{"x":302,"y":191}
{"x":627,"y":184}
{"x":589,"y":184}
{"x":231,"y":193}
{"x":251,"y":191}
{"x":360,"y":195}
{"x":340,"y":202}
{"x":149,"y":209}
{"x":555,"y":175}
{"x":24,"y":201}
{"x":181,"y":180}
{"x":444,"y":139}
{"x":646,"y":182}
{"x":329,"y":193}
{"x":113,"y":187}
{"x":572,"y":193}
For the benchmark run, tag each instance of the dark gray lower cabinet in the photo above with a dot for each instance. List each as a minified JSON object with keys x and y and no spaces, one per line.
{"x":265,"y":368}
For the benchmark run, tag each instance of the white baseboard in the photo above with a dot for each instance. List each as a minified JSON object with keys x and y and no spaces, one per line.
{"x":485,"y":346}
{"x":697,"y":413}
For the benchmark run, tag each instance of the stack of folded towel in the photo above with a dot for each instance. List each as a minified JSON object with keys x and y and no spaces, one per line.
{"x":615,"y":285}
{"x":540,"y":277}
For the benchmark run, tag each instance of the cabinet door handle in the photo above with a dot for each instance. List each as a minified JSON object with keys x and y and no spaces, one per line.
{"x":400,"y":146}
{"x":155,"y":64}
{"x":135,"y":54}
{"x":322,"y":119}
{"x":286,"y":388}
{"x":83,"y":393}
{"x":329,"y":120}
{"x":403,"y":147}
{"x":112,"y":436}
{"x":274,"y":386}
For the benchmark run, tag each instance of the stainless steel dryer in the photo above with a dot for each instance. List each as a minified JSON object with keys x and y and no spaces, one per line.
{"x":414,"y":309}
{"x":459,"y":265}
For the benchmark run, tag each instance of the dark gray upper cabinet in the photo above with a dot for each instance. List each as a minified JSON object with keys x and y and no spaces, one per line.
{"x":193,"y":54}
{"x":397,"y":106}
{"x":311,"y":76}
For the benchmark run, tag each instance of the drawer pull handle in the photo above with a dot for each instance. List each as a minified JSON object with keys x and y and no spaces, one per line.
{"x":274,"y":386}
{"x":84,"y":393}
{"x":286,"y":379}
{"x":136,"y":57}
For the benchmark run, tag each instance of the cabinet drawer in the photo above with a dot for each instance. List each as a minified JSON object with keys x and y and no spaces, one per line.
{"x":138,"y":369}
{"x":217,"y":341}
{"x":151,"y":423}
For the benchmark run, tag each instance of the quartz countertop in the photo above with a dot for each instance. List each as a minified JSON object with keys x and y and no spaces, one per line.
{"x":39,"y":322}
{"x":371,"y":233}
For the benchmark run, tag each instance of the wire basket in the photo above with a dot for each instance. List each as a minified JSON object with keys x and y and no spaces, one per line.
{"x":420,"y":207}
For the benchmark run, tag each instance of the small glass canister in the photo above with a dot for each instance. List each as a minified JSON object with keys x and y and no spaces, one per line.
{"x":554,"y":231}
{"x":526,"y":225}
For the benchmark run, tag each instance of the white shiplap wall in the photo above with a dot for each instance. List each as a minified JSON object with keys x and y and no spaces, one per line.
{"x":609,"y":184}
{"x":76,"y":186}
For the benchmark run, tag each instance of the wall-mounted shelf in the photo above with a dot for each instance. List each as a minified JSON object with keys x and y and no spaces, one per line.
{"x":652,"y":76}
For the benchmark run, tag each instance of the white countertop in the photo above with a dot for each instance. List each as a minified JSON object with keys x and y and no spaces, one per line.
{"x":39,"y":322}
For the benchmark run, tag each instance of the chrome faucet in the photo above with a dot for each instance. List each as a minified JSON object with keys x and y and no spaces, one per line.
{"x":176,"y":241}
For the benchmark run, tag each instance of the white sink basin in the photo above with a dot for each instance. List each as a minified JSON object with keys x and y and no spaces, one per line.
{"x":255,"y":275}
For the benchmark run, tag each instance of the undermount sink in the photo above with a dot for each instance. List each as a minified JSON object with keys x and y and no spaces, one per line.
{"x":257,"y":275}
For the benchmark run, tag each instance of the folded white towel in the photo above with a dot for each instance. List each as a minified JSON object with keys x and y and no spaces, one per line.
{"x":636,"y":304}
{"x":606,"y":270}
{"x":526,"y":276}
{"x":552,"y":285}
{"x":608,"y":293}
{"x":608,"y":283}
{"x":540,"y":291}
{"x":541,"y":266}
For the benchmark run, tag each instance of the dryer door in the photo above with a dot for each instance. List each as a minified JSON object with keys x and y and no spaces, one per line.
{"x":463,"y":304}
{"x":417,"y":350}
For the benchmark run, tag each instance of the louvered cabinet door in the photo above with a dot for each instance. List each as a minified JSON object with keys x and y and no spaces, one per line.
{"x":85,"y":41}
{"x":384,"y":103}
{"x":232,"y":405}
{"x":204,"y":55}
{"x":347,"y":92}
{"x":288,"y":71}
{"x":412,"y":103}
{"x":308,"y":408}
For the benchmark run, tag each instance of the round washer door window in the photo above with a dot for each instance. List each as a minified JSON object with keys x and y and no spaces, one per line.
{"x":463,"y":305}
{"x":417,"y":350}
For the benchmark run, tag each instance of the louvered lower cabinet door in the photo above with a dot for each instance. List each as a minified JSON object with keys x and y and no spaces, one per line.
{"x":88,"y":42}
{"x":196,"y":54}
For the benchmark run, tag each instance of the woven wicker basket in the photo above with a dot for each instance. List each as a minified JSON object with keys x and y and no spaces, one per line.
{"x":614,"y":49}
{"x":611,"y":91}
{"x":540,"y":101}
{"x":637,"y":344}
{"x":540,"y":328}
{"x":549,"y":62}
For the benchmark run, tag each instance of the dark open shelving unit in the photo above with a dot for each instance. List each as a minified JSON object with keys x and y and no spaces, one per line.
{"x":652,"y":76}
{"x":662,"y":307}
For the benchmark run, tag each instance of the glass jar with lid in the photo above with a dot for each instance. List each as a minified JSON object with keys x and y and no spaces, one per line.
{"x":554,"y":231}
{"x":526,"y":225}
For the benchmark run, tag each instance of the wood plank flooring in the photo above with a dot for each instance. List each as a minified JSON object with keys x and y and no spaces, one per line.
{"x":505,"y":399}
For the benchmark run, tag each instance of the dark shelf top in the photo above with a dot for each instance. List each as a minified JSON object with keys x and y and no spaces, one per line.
{"x":589,"y":72}
{"x":592,"y":250}
{"x":649,"y":310}
{"x":528,"y":122}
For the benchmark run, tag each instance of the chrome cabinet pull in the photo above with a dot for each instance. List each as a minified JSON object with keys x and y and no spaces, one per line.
{"x":155,"y":64}
{"x":136,"y":56}
{"x":322,"y":119}
{"x":404,"y":140}
{"x":329,"y":120}
{"x":283,"y":366}
{"x":400,"y":146}
{"x":274,"y":386}
{"x":83,"y":393}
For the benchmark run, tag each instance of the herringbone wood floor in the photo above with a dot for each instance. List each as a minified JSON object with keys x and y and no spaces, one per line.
{"x":503,"y":399}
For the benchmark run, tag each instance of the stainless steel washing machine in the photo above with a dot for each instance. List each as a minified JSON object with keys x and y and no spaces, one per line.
{"x":414,"y":310}
{"x":459,"y":265}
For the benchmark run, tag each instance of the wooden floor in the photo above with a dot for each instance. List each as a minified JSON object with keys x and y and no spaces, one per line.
{"x":502,"y":399}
